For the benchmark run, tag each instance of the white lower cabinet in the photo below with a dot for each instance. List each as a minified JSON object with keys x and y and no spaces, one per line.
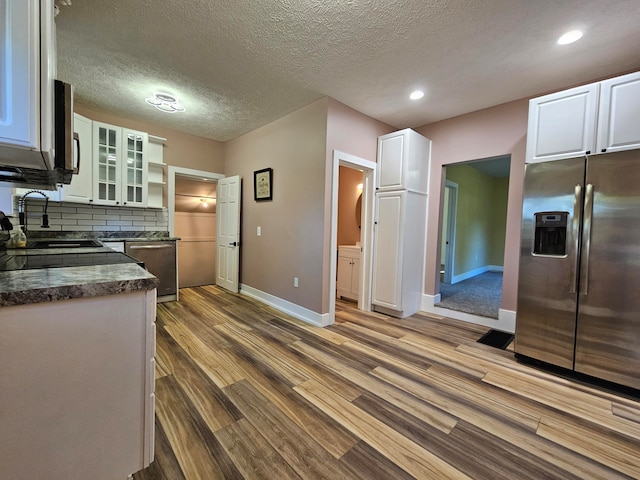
{"x":399,"y":246}
{"x":348,"y":281}
{"x":78,"y":398}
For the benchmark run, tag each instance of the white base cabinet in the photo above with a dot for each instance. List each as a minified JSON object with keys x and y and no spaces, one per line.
{"x":77,"y":387}
{"x":398,"y":253}
{"x":348,"y":281}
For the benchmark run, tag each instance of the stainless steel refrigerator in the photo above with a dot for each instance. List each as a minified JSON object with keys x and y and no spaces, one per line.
{"x":579,"y":278}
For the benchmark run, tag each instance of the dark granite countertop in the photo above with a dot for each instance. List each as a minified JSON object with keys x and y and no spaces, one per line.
{"x":20,"y":287}
{"x":140,"y":239}
{"x":106,"y":236}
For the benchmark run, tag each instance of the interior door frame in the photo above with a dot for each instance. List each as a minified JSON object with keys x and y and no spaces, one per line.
{"x":368,"y":168}
{"x":172,"y":172}
{"x":452,"y":209}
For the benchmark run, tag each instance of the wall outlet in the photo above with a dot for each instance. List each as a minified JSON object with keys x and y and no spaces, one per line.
{"x":259,"y":231}
{"x":295,"y":282}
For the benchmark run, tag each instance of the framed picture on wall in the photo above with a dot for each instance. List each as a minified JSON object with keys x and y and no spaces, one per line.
{"x":263,"y":184}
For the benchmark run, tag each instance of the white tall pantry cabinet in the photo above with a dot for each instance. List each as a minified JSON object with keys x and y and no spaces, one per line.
{"x":401,"y":222}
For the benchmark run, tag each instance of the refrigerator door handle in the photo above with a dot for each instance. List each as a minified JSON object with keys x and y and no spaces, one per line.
{"x":577,"y":220}
{"x":586,"y":239}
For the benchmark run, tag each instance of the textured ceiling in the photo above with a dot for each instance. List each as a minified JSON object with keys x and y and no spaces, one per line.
{"x":239,"y":64}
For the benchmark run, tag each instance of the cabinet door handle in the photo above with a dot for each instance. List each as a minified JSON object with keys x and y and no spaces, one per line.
{"x":148,"y":247}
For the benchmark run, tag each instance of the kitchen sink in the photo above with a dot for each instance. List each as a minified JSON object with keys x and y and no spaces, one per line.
{"x":64,"y":243}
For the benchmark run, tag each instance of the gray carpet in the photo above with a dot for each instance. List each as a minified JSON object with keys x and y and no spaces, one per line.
{"x":480,"y":295}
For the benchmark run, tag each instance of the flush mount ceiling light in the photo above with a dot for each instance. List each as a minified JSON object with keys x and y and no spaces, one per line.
{"x":165,"y":103}
{"x":417,"y":95}
{"x":570,"y":37}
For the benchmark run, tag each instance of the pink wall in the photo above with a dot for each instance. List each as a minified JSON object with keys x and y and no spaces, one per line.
{"x":492,"y":132}
{"x":352,"y":132}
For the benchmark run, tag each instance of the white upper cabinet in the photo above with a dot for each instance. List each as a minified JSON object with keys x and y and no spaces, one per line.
{"x":563,"y":124}
{"x":119,"y":166}
{"x":403,"y":161}
{"x":596,"y":118}
{"x":27,"y":70}
{"x":619,"y":117}
{"x":81,"y":187}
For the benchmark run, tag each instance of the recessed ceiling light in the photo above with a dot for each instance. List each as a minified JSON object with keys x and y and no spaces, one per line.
{"x":417,"y":95}
{"x":570,"y":37}
{"x":165,"y":102}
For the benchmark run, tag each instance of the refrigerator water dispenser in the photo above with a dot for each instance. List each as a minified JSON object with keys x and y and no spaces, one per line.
{"x":551,"y":234}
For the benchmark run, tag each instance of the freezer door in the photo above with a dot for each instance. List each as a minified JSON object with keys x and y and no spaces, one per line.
{"x":608,"y":333}
{"x":547,"y":298}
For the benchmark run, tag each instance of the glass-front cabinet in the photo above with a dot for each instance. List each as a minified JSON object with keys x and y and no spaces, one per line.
{"x":119,"y":166}
{"x":135,"y":183}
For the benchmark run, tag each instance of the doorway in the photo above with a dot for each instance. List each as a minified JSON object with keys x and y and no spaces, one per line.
{"x":192,"y":200}
{"x":368,"y":169}
{"x":448,"y":241}
{"x":473,"y":226}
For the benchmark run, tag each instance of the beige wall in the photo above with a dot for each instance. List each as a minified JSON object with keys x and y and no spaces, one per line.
{"x":196,"y":248}
{"x":495,"y":131}
{"x":348,"y":194}
{"x":181,"y":149}
{"x":292,"y":223}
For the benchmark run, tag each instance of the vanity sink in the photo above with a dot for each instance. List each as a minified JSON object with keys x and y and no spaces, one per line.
{"x":64,"y":243}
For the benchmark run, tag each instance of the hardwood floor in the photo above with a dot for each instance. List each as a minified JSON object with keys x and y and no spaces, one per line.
{"x":244,"y":391}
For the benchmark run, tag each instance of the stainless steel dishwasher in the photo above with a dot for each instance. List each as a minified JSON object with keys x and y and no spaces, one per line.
{"x":159,"y":258}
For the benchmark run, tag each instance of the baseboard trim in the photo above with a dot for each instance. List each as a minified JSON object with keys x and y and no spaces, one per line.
{"x":301,"y":313}
{"x":506,"y":320}
{"x":476,"y":272}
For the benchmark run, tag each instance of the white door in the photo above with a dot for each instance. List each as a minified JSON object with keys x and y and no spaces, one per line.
{"x":228,"y":232}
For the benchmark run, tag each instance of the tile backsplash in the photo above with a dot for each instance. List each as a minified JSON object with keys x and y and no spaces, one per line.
{"x":66,"y":216}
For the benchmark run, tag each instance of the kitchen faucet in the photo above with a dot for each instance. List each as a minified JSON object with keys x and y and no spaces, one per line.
{"x":22,"y":210}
